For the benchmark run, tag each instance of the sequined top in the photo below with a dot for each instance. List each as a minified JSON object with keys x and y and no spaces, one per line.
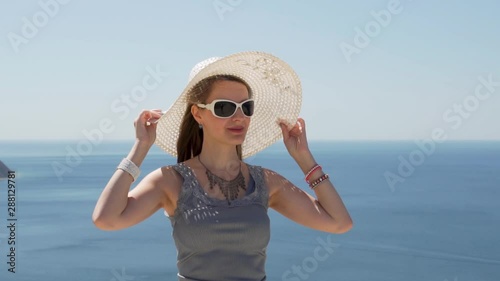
{"x":216,"y":241}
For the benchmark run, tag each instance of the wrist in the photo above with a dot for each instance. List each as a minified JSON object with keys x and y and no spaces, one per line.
{"x":305,"y":161}
{"x":138,"y":152}
{"x":129,"y":167}
{"x":143,"y":144}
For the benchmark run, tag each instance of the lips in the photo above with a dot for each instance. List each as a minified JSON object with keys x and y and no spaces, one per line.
{"x":236,"y":129}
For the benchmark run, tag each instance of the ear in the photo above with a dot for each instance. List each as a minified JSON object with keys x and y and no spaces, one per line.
{"x":196,"y":112}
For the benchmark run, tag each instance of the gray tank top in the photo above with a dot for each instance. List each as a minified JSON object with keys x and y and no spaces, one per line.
{"x":216,"y":241}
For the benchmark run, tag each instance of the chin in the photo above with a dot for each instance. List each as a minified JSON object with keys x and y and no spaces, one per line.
{"x":235,"y":140}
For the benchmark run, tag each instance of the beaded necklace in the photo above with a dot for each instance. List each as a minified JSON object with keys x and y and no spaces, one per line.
{"x":230,"y":189}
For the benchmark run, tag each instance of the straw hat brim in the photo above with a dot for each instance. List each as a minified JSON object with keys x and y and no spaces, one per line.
{"x":277,"y":93}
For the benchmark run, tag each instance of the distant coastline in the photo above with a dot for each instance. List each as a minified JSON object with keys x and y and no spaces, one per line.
{"x":4,"y":170}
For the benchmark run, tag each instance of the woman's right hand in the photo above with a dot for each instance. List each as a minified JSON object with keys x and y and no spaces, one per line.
{"x":145,"y":126}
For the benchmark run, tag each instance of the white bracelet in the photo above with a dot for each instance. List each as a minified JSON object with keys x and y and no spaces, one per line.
{"x":129,"y":167}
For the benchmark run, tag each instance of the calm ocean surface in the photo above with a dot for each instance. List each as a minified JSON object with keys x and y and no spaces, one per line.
{"x":440,"y":222}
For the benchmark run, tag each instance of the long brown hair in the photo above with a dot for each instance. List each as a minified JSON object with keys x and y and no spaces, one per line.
{"x":190,"y":139}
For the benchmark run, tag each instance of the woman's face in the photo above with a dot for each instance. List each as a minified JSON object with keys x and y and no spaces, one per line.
{"x":230,"y":130}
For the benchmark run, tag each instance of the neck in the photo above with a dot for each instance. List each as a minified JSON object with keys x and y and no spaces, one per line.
{"x":219,"y":157}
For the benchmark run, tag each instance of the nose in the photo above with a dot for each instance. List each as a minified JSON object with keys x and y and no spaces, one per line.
{"x":239,"y":113}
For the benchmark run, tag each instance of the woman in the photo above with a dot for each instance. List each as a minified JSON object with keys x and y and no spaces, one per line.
{"x":216,"y":202}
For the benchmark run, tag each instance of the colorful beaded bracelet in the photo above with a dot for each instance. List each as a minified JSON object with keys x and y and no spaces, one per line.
{"x":313,"y":184}
{"x":313,"y":169}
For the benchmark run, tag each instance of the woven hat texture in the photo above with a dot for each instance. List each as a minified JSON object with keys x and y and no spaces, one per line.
{"x":276,"y":89}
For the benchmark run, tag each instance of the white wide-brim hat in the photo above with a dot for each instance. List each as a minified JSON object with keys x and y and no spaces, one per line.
{"x":276,"y":91}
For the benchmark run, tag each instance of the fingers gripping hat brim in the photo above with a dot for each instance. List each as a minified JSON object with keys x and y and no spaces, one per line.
{"x":276,"y":89}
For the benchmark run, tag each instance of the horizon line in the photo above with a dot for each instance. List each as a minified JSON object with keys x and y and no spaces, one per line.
{"x":310,"y":140}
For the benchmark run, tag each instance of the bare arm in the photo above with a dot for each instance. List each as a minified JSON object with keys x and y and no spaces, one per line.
{"x":116,"y":208}
{"x":327,"y":212}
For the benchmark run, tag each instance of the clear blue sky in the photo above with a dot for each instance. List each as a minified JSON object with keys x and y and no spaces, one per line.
{"x":88,"y":54}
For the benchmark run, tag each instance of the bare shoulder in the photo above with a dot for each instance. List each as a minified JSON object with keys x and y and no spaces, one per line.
{"x":273,"y":180}
{"x":170,"y":177}
{"x":280,"y":188}
{"x":169,"y":181}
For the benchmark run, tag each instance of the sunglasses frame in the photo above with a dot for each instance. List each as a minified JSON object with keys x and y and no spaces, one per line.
{"x":210,"y":106}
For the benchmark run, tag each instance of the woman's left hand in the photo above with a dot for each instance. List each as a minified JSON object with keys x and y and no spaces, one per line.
{"x":295,"y":139}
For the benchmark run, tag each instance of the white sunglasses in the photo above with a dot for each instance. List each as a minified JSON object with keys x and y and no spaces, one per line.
{"x":227,"y":108}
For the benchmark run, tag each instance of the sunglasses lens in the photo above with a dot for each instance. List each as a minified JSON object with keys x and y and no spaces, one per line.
{"x":248,"y":108}
{"x":224,"y":108}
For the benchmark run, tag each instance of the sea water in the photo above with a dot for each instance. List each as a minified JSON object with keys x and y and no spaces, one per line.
{"x":420,"y":213}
